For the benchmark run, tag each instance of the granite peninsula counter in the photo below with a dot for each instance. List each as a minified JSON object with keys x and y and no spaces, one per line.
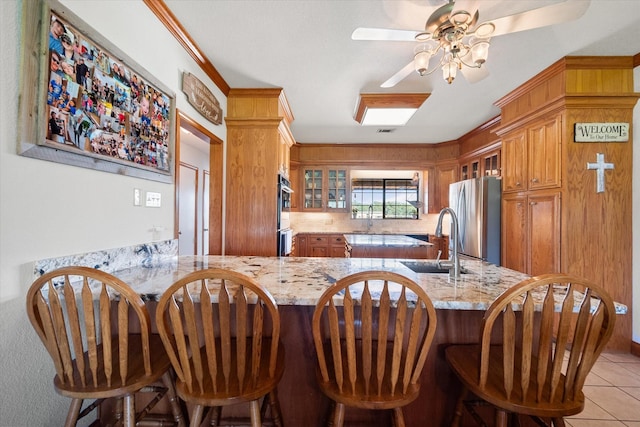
{"x":297,"y":283}
{"x":300,"y":281}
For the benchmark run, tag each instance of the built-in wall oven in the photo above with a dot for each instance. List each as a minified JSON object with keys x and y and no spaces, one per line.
{"x":285,"y":234}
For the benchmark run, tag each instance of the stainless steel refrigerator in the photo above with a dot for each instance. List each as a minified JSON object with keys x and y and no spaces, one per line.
{"x":476,"y":203}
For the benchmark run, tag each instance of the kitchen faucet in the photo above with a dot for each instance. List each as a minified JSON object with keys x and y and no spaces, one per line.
{"x":454,"y":260}
{"x":370,"y":216}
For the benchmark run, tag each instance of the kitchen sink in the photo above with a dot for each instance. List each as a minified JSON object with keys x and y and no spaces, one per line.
{"x":428,"y":267}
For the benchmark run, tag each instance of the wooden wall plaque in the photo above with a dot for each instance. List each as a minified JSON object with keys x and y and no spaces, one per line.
{"x":201,"y":98}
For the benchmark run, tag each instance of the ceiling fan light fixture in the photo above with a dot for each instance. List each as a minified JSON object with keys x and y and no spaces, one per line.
{"x":423,"y":53}
{"x":480,"y":51}
{"x":449,"y":71}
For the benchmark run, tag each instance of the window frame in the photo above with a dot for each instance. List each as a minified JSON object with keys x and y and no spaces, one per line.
{"x":360,"y":209}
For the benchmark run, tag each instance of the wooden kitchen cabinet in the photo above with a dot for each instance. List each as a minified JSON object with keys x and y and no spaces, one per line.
{"x":487,"y":164}
{"x":445,"y":175}
{"x":544,"y":154}
{"x":491,"y":165}
{"x":531,"y":232}
{"x":531,"y":156}
{"x":321,"y":245}
{"x":531,"y":212}
{"x":294,"y":180}
{"x":325,"y":189}
{"x":258,"y":141}
{"x":301,"y":245}
{"x":514,"y":176}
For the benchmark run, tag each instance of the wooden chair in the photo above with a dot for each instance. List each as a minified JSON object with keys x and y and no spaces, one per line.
{"x":546,"y":352}
{"x":82,"y":316}
{"x":372,"y":332}
{"x":221,"y":330}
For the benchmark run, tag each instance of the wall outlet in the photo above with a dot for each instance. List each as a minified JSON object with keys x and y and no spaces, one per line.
{"x":153,"y":200}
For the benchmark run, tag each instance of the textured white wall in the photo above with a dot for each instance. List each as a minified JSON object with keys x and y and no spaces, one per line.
{"x":50,"y":210}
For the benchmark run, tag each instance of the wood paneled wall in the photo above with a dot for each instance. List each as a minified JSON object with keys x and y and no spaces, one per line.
{"x":375,"y":155}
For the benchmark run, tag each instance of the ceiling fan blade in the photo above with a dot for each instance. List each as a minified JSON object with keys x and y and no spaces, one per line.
{"x":474,"y":75}
{"x":469,"y":6}
{"x":566,"y":11}
{"x":399,"y":76}
{"x":384,"y":34}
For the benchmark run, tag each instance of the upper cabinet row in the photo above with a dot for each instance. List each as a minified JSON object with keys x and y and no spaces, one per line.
{"x":487,"y":164}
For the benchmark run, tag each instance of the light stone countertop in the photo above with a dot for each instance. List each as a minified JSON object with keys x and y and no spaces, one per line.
{"x":384,"y":240}
{"x":301,"y":281}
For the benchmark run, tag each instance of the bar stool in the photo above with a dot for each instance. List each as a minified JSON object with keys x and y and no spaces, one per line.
{"x":221,"y":330}
{"x":372,"y":332}
{"x":545,"y":354}
{"x":82,"y":316}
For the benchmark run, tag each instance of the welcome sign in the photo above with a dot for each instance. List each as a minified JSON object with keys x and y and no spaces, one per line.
{"x":601,"y":132}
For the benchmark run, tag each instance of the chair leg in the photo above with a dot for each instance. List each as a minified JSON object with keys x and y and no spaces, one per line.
{"x":398,"y":417}
{"x":118,"y":411}
{"x":558,"y":422}
{"x":176,"y":409}
{"x":196,"y":416}
{"x":501,"y":418}
{"x":338,"y":415}
{"x":459,"y":408}
{"x":129,"y":411}
{"x":274,"y":406}
{"x":74,"y":411}
{"x":332,"y":411}
{"x":215,"y":416}
{"x":255,"y":414}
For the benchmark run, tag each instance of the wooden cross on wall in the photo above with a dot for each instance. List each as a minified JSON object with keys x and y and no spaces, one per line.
{"x":600,"y":166}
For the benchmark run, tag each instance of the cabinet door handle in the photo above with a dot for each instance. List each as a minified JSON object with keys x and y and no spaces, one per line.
{"x":518,"y":184}
{"x":533,"y":203}
{"x":534,"y":180}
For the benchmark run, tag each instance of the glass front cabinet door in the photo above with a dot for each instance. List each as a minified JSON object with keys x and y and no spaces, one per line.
{"x":337,"y":189}
{"x":325,"y":189}
{"x":313,"y":189}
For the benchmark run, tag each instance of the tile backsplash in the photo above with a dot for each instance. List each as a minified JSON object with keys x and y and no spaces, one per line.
{"x":316,"y":222}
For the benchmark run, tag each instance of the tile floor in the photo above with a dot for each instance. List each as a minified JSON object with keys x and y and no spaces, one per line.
{"x":612,"y":391}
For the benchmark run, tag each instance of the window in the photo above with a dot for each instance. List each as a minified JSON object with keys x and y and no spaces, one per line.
{"x":384,"y":198}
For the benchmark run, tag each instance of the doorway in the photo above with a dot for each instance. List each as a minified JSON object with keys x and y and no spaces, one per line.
{"x":198,"y":210}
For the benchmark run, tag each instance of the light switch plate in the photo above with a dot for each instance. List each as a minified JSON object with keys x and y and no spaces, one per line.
{"x":153,"y":200}
{"x":136,"y":197}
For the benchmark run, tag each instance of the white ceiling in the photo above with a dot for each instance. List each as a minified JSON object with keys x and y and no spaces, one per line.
{"x":305,"y":47}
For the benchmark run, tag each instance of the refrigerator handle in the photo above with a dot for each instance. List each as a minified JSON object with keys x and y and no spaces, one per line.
{"x":462,"y":217}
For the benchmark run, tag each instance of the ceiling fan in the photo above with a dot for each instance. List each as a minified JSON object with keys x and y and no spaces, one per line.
{"x":456,"y":38}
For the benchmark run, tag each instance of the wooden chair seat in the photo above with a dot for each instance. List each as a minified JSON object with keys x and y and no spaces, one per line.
{"x":221,"y":330}
{"x":538,"y":342}
{"x":136,"y":377}
{"x":372,"y":333}
{"x":464,"y":359}
{"x":83,"y":317}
